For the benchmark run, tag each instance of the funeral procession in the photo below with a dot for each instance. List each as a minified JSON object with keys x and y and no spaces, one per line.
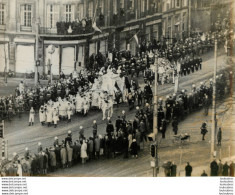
{"x":117,"y":88}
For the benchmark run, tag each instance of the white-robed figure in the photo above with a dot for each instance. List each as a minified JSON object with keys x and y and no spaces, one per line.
{"x":31,"y":116}
{"x":55,"y":117}
{"x":95,"y":99}
{"x":79,"y":103}
{"x":42,"y":115}
{"x":86,"y":105}
{"x":49,"y":115}
{"x":106,"y":106}
{"x":21,"y":87}
{"x":69,"y":111}
{"x":62,"y":109}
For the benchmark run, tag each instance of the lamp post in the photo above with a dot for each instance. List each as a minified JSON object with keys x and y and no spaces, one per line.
{"x":213,"y":127}
{"x":155,"y":130}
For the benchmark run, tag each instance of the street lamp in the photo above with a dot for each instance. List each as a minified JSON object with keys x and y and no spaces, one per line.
{"x":213,"y":127}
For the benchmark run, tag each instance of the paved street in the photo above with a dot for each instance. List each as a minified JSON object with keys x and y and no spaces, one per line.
{"x":20,"y":135}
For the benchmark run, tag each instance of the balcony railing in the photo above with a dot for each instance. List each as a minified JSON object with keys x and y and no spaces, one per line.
{"x":26,"y":28}
{"x":69,"y":28}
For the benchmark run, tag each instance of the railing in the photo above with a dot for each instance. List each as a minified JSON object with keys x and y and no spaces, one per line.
{"x":68,"y":28}
{"x":26,"y":28}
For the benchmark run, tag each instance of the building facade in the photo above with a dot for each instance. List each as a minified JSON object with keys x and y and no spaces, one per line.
{"x":175,"y":19}
{"x":29,"y":27}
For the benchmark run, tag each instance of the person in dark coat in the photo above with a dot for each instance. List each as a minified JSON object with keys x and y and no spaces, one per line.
{"x":94,"y":129}
{"x":219,"y":137}
{"x":175,"y":125}
{"x":118,"y":123}
{"x":134,"y":149}
{"x":225,"y":169}
{"x":68,"y":139}
{"x":214,"y":168}
{"x":75,"y":152}
{"x":204,"y":174}
{"x":203,"y":130}
{"x":231,"y":169}
{"x":109,"y":128}
{"x":125,"y":144}
{"x":173,"y":169}
{"x":163,"y":128}
{"x":188,"y":170}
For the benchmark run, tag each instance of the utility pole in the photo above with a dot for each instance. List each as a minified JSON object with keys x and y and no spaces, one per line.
{"x":155,"y":130}
{"x":155,"y":124}
{"x":36,"y":44}
{"x":213,"y":127}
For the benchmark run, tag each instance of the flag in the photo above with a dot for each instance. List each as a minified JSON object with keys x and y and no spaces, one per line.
{"x":95,"y":27}
{"x":136,"y":39}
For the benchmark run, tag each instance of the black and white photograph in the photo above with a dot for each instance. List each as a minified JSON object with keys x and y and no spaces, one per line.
{"x":117,"y":88}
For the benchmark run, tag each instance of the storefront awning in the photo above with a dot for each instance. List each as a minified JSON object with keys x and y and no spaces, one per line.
{"x":131,"y":28}
{"x":153,"y":22}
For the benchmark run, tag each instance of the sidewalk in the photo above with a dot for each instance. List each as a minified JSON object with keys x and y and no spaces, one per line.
{"x":197,"y":171}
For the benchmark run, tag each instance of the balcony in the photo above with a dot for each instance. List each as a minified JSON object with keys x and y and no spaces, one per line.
{"x":26,"y":28}
{"x":3,"y":27}
{"x":69,"y":28}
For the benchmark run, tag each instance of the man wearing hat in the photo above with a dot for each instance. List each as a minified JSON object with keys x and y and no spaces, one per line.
{"x":26,"y":154}
{"x":94,"y":129}
{"x":203,"y":130}
{"x":109,"y":128}
{"x":56,"y":142}
{"x":68,"y":139}
{"x":39,"y":147}
{"x":81,"y":133}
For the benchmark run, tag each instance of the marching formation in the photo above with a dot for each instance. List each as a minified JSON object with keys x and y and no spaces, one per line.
{"x":124,"y":137}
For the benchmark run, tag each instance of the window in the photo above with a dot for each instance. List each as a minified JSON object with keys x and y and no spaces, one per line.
{"x":80,"y":11}
{"x":102,"y":6}
{"x":177,"y":3}
{"x":147,"y":5}
{"x":69,"y":13}
{"x":143,"y":6}
{"x":115,"y":7}
{"x":2,"y":14}
{"x":169,"y":27}
{"x":184,"y":22}
{"x":167,"y":6}
{"x":132,"y":4}
{"x":90,"y":10}
{"x":155,"y":31}
{"x":52,"y":15}
{"x":122,"y":5}
{"x":26,"y":15}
